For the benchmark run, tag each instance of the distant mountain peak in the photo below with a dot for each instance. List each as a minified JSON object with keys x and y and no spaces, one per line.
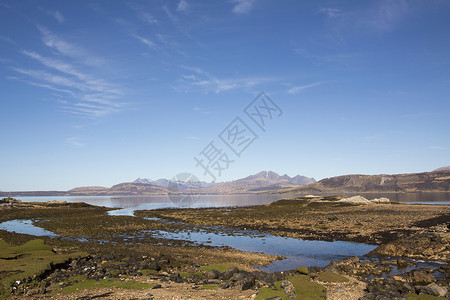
{"x":261,"y":181}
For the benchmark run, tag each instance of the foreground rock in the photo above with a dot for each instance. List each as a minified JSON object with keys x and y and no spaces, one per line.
{"x":415,"y":282}
{"x":429,"y":243}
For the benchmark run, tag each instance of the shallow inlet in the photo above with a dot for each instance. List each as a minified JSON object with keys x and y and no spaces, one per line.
{"x":25,"y":227}
{"x":297,"y":252}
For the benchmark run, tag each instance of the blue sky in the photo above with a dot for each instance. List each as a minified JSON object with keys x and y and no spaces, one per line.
{"x":103,"y":92}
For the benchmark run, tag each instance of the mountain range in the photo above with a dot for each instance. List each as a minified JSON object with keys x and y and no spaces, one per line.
{"x":435,"y":181}
{"x":268,"y":181}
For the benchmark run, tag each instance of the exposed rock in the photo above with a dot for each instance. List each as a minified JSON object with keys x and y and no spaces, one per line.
{"x":238,"y":276}
{"x":212,"y":274}
{"x":244,"y":284}
{"x":229,"y":273}
{"x":288,"y":289}
{"x":429,"y":243}
{"x":417,"y":277}
{"x":381,"y":200}
{"x":154,"y":266}
{"x":355,"y":200}
{"x":434,"y":290}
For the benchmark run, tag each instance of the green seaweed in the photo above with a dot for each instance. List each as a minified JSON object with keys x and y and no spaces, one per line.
{"x":305,"y":288}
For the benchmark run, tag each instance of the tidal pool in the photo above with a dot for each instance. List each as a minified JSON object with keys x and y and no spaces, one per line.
{"x":25,"y":227}
{"x":297,"y":252}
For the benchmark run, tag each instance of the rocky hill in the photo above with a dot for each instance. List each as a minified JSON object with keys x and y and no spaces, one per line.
{"x":181,"y":186}
{"x":429,"y":181}
{"x":126,"y":188}
{"x":260,"y":182}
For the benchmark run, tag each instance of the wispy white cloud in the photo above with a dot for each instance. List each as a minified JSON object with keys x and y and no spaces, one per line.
{"x":75,"y":142}
{"x":63,"y":47}
{"x":382,"y":15}
{"x":435,"y":147}
{"x":148,"y":18}
{"x":243,"y":6}
{"x":326,"y":57}
{"x":191,"y":137}
{"x":57,"y":15}
{"x":371,"y":138}
{"x":183,"y":6}
{"x":296,"y":89}
{"x":330,"y":12}
{"x":169,"y":14}
{"x":80,"y":90}
{"x":201,"y":110}
{"x":68,"y":49}
{"x":209,"y":83}
{"x":389,"y":13}
{"x":8,"y":39}
{"x":145,"y":41}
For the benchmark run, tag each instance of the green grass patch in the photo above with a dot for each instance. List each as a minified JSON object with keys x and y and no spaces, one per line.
{"x":423,"y":297}
{"x":187,"y":274}
{"x":220,"y":268}
{"x":147,"y":272}
{"x":6,"y":251}
{"x":89,"y":284}
{"x":305,"y":288}
{"x":27,"y":260}
{"x":331,"y":277}
{"x":209,"y":287}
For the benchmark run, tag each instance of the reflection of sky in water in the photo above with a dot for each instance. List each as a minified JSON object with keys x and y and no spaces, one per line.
{"x":131,"y":203}
{"x":25,"y":227}
{"x":299,"y":252}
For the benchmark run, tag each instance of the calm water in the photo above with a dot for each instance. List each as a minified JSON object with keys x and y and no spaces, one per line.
{"x":297,"y":252}
{"x":128,"y":204}
{"x":25,"y":227}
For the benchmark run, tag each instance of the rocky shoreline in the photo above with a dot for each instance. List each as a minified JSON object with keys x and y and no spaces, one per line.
{"x":158,"y":269}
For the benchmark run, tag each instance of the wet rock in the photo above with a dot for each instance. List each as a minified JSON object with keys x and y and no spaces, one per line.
{"x":433,"y":289}
{"x":419,"y":277}
{"x":238,"y":276}
{"x":409,"y":288}
{"x":213,"y":281}
{"x":288,"y":289}
{"x":154,"y":266}
{"x":212,"y":274}
{"x":229,"y":273}
{"x":427,"y":243}
{"x":176,"y":278}
{"x":380,"y":288}
{"x":402,"y":263}
{"x":244,"y":284}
